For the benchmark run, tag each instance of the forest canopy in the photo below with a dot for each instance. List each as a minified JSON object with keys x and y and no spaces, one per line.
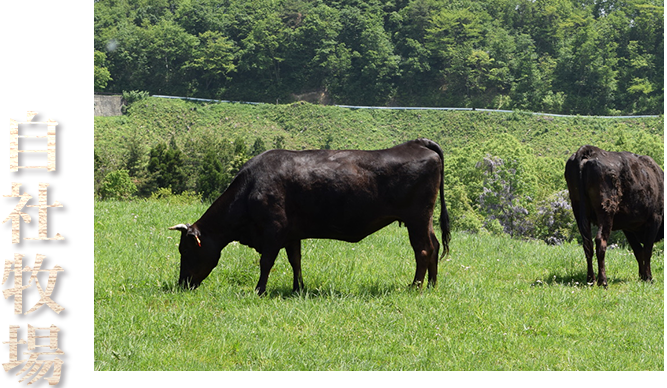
{"x":589,"y":57}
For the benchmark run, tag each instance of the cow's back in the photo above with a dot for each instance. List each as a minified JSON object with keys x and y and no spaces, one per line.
{"x":624,"y":184}
{"x":345,"y":194}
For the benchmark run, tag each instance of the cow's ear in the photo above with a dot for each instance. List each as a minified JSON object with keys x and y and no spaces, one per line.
{"x":181,"y":227}
{"x":194,"y":233}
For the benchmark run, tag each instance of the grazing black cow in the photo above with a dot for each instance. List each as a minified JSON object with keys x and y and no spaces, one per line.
{"x":616,"y":190}
{"x":282,"y":197}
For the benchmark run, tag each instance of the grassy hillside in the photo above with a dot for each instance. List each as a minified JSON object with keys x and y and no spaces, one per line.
{"x":484,"y":151}
{"x":305,"y":126}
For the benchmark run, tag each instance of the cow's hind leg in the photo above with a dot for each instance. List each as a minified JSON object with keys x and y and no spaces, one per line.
{"x":425,"y":253}
{"x":601,"y":248}
{"x":588,"y":252}
{"x":642,"y":253}
{"x":433,"y":263}
{"x":584,"y":226}
{"x":293,"y":250}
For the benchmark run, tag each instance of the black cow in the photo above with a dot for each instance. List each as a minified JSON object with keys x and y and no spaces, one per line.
{"x":616,"y":190}
{"x":281,"y":197}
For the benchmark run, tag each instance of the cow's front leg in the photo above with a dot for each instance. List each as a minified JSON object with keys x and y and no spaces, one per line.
{"x":646,"y":275}
{"x":265,"y":265}
{"x":649,"y":239}
{"x":293,"y":250}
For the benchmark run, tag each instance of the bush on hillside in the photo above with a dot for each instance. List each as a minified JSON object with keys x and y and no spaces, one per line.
{"x":213,"y":177}
{"x":184,"y":198}
{"x":133,"y":96}
{"x":257,"y":147}
{"x":503,"y":197}
{"x":165,"y":169}
{"x":555,"y":221}
{"x":117,"y":185}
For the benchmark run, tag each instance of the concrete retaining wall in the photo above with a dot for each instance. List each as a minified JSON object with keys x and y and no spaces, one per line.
{"x":108,"y":105}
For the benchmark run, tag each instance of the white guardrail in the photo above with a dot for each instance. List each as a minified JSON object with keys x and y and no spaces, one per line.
{"x":409,"y":108}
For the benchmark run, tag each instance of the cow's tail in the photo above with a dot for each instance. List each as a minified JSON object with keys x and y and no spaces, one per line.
{"x":444,"y":216}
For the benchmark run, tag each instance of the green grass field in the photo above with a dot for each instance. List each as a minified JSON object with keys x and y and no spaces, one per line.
{"x":500,"y":304}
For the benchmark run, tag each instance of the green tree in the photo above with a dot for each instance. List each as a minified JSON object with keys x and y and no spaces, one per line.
{"x":641,"y":71}
{"x":262,"y":50}
{"x":317,"y":59}
{"x":102,"y":74}
{"x":198,"y":17}
{"x":101,"y":168}
{"x":211,"y":64}
{"x":279,"y":142}
{"x":587,"y":66}
{"x":455,"y":37}
{"x":134,"y":160}
{"x":213,"y":178}
{"x":239,"y":159}
{"x":165,"y":168}
{"x":257,"y":147}
{"x":373,"y":65}
{"x":150,"y":57}
{"x":168,"y":47}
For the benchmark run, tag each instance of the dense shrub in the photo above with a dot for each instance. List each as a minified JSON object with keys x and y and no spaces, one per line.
{"x":503,"y":196}
{"x":555,"y":221}
{"x":117,"y":185}
{"x":101,"y":168}
{"x":462,"y":214}
{"x":184,"y":198}
{"x":133,"y":96}
{"x":257,"y":147}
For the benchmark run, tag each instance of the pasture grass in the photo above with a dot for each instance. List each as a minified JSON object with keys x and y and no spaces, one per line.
{"x":500,"y":304}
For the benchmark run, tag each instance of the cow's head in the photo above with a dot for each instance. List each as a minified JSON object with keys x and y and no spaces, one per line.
{"x":198,"y":256}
